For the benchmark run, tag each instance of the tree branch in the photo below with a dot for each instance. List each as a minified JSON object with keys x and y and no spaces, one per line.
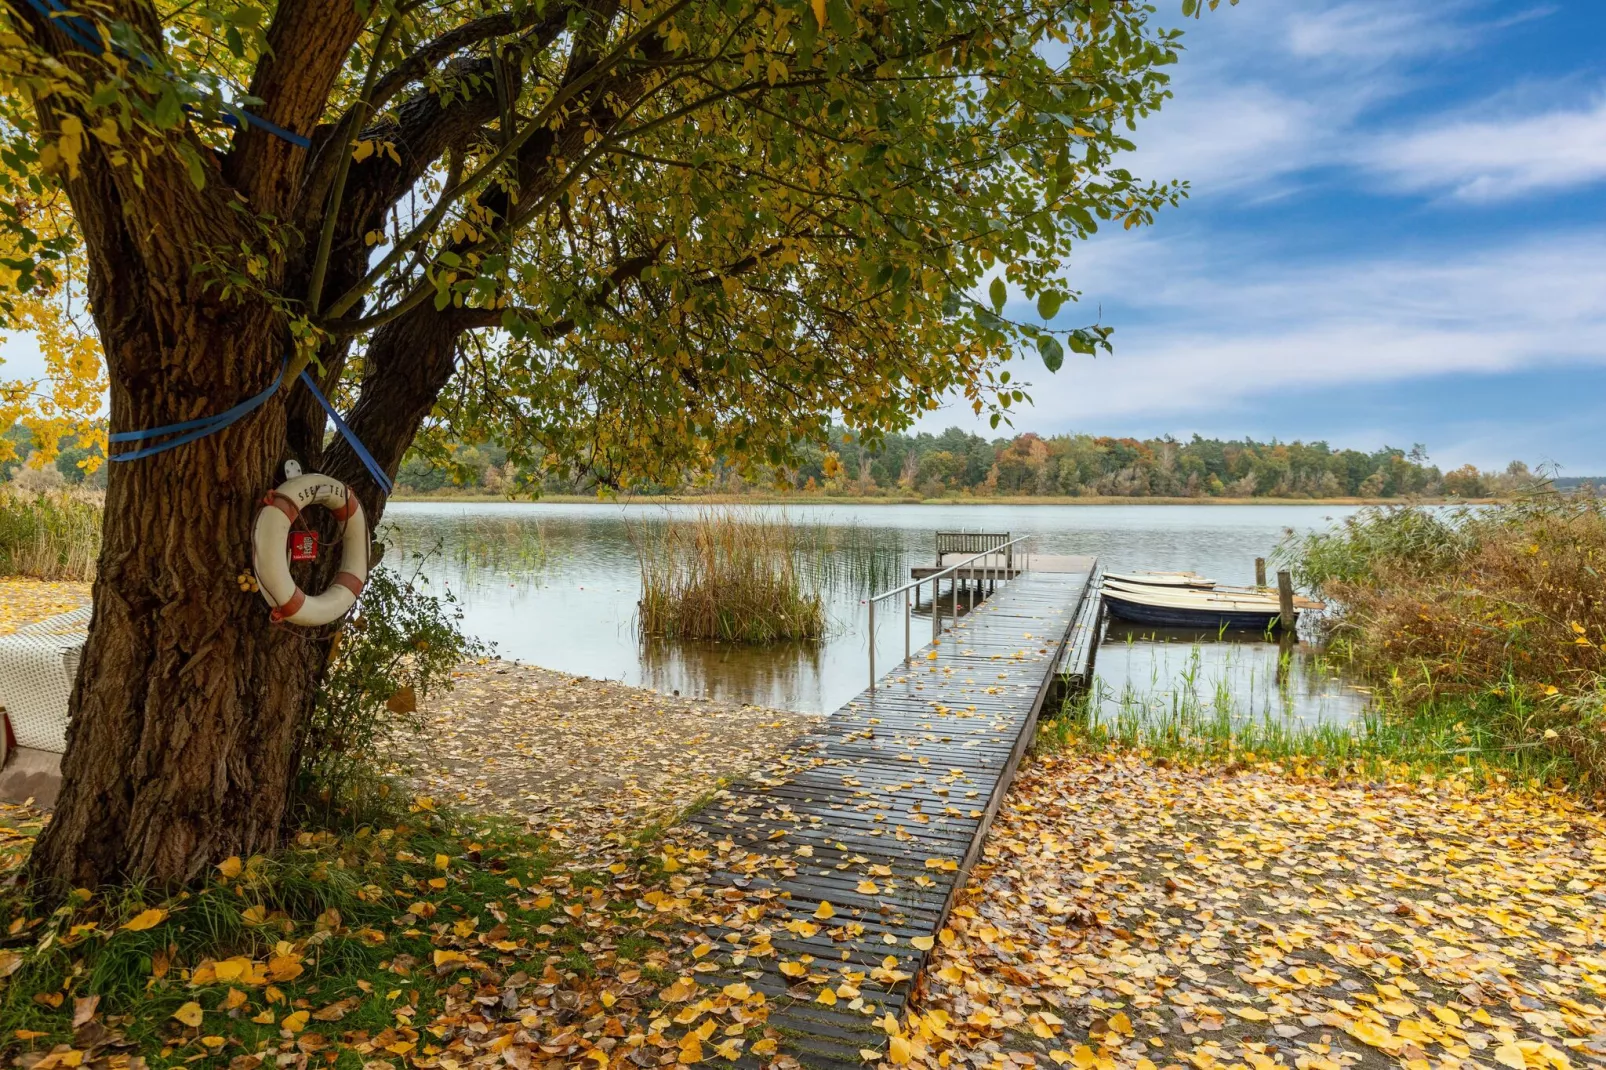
{"x":307,"y":46}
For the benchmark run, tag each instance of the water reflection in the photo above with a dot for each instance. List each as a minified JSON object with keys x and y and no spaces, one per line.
{"x":1172,"y":675}
{"x":557,"y":584}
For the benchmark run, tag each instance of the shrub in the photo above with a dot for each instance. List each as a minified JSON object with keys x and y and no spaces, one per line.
{"x":400,"y":648}
{"x":728,"y":575}
{"x":1501,"y":608}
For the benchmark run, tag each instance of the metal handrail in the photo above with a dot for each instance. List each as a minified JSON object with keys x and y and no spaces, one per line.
{"x":998,"y":574}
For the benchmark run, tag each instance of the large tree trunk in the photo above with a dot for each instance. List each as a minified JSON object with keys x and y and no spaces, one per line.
{"x":187,"y":698}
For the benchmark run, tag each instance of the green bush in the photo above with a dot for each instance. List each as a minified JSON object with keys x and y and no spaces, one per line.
{"x":399,"y":649}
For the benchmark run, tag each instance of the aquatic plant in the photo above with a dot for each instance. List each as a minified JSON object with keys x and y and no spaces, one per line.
{"x":733,"y":575}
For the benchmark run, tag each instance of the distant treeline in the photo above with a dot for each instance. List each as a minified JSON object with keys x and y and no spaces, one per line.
{"x":68,"y":468}
{"x":956,"y":463}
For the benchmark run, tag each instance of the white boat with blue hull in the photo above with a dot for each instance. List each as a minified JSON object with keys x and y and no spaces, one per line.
{"x":1172,"y":607}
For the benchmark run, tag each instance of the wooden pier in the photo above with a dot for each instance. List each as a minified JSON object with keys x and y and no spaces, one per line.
{"x":881,"y":811}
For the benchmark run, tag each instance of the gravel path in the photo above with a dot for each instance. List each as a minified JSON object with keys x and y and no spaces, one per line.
{"x":589,"y":762}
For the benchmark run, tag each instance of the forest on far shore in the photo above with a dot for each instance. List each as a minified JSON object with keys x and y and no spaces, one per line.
{"x":956,"y":463}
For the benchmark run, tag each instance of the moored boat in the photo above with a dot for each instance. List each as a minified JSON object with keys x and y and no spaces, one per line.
{"x":1181,"y":608}
{"x":1163,"y":579}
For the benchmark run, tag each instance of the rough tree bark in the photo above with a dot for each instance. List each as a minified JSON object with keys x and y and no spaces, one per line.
{"x":188,"y":700}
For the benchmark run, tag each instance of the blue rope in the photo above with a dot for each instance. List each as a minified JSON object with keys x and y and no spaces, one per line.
{"x":380,"y":479}
{"x":190,"y":430}
{"x":82,"y":32}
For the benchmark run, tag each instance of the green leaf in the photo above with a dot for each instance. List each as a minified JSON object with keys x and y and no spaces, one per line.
{"x":999,"y":293}
{"x":1048,"y":304}
{"x":236,"y":43}
{"x":1052,"y":352}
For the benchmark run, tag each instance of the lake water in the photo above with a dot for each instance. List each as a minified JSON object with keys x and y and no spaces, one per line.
{"x":556,"y":585}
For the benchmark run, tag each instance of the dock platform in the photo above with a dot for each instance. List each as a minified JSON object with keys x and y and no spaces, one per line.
{"x":880,"y":813}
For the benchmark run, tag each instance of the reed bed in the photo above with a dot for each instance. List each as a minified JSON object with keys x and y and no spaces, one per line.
{"x":730,"y":575}
{"x":53,"y":535}
{"x":1495,"y":616}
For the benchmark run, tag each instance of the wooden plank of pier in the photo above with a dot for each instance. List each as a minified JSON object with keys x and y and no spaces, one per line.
{"x":897,"y":787}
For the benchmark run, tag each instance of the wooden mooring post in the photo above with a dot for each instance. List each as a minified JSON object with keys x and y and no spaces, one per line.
{"x":1285,"y":600}
{"x":1260,"y":572}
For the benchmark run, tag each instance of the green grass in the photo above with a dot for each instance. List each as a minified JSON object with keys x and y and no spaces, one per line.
{"x":1465,"y":735}
{"x":363,"y":916}
{"x":49,"y":536}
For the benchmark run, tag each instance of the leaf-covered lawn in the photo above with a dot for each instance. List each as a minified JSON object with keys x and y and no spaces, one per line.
{"x":1129,"y":915}
{"x":26,"y":601}
{"x":432,"y":944}
{"x":588,"y":763}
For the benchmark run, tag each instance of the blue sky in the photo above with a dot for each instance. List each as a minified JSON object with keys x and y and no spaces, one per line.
{"x":1396,"y":234}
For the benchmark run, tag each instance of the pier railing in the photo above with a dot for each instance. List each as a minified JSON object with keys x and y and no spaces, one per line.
{"x":999,"y":564}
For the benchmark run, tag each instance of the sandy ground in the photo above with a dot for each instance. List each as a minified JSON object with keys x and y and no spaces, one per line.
{"x":1128,"y":915}
{"x":589,"y":762}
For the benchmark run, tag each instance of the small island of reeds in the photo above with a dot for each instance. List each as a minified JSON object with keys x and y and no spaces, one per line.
{"x":728,"y":575}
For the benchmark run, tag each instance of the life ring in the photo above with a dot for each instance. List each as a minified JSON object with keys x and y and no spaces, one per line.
{"x":270,"y":555}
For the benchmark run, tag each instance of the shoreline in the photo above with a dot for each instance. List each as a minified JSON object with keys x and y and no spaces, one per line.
{"x":767,"y":499}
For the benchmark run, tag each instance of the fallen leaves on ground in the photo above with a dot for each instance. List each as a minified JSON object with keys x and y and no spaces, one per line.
{"x":24,"y":601}
{"x":1128,"y":916}
{"x":585,"y":762}
{"x":451,"y":946}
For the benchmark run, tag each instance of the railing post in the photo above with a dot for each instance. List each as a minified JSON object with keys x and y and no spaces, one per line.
{"x":936,"y":608}
{"x":908,"y":612}
{"x":872,"y":642}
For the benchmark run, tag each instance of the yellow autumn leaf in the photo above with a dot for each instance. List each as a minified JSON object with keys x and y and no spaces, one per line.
{"x":1369,"y":1032}
{"x":145,"y":919}
{"x":296,"y":1022}
{"x":923,"y":943}
{"x":679,"y":992}
{"x":824,"y":910}
{"x":793,"y":969}
{"x":230,"y":867}
{"x":1510,"y":1055}
{"x":1250,"y":1013}
{"x":189,"y":1014}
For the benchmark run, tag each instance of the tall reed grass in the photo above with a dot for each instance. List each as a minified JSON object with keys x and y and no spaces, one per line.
{"x":732,"y":575}
{"x":1495,"y":615}
{"x":53,"y":535}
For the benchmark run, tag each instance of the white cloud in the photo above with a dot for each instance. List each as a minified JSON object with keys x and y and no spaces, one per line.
{"x":1268,"y":94}
{"x":1217,"y":335}
{"x":1374,"y":32}
{"x":1498,"y":158}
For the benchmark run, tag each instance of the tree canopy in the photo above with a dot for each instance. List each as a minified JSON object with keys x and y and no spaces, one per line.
{"x":660,"y":232}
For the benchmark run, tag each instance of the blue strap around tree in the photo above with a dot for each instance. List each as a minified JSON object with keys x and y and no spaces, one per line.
{"x":190,"y":430}
{"x":367,"y":459}
{"x":83,"y":33}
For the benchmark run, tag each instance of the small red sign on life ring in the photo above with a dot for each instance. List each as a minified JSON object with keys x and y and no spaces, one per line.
{"x":303,"y":546}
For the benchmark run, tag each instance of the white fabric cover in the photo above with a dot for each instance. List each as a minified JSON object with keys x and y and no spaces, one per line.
{"x":38,"y":664}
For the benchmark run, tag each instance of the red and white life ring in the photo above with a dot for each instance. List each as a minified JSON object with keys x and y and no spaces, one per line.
{"x":270,"y":554}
